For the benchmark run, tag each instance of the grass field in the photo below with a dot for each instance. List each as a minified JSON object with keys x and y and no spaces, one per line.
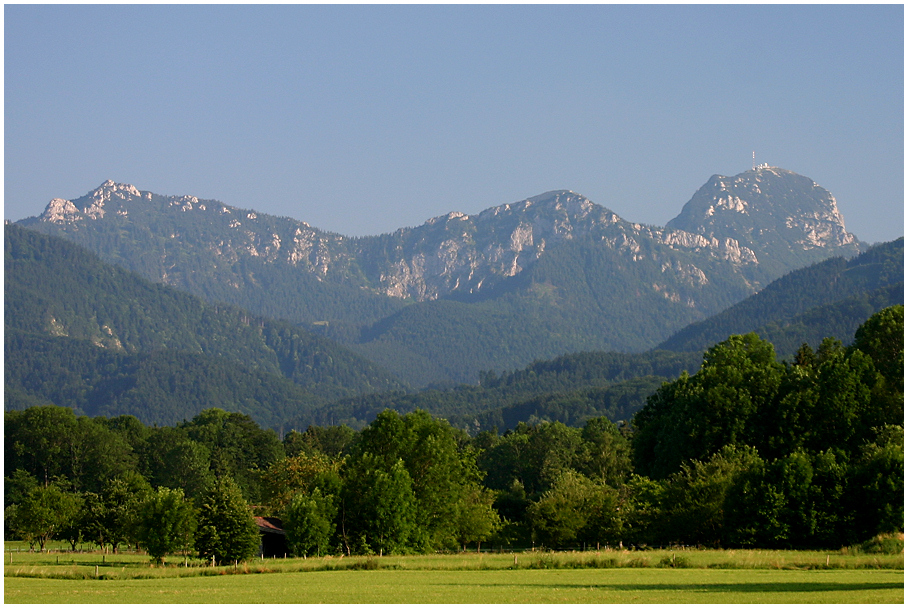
{"x":629,"y":585}
{"x":589,"y":577}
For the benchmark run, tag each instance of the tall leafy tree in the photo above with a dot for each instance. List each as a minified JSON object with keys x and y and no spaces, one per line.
{"x":695,"y":416}
{"x":165,"y":523}
{"x":43,"y":513}
{"x":309,"y":522}
{"x":694,"y":505}
{"x":562,"y":512}
{"x":606,"y":522}
{"x":607,"y":453}
{"x":378,"y":508}
{"x":876,"y":486}
{"x":113,"y":513}
{"x":752,"y":507}
{"x":37,"y":440}
{"x":534,"y":455}
{"x":226,"y":528}
{"x":176,"y":461}
{"x":238,"y":447}
{"x":299,"y":474}
{"x":17,"y":486}
{"x":844,"y":407}
{"x":439,"y":470}
{"x":475,"y":518}
{"x":882,"y":337}
{"x":52,"y":442}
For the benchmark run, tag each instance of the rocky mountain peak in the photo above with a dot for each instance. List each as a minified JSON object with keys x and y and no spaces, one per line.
{"x":766,"y":208}
{"x":61,"y":211}
{"x":94,"y":205}
{"x":110,"y":190}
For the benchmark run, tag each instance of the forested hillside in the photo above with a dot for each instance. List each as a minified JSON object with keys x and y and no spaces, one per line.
{"x":746,"y":452}
{"x":105,"y":342}
{"x":87,"y":335}
{"x":96,"y":338}
{"x":159,"y":387}
{"x":829,"y":298}
{"x":575,"y":298}
{"x":570,"y":389}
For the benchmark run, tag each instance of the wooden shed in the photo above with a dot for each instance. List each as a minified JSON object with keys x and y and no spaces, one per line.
{"x":272,"y":540}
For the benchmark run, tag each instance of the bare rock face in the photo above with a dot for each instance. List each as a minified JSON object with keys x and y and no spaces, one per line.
{"x":768,"y":210}
{"x":459,"y":252}
{"x":92,"y":206}
{"x":61,"y":211}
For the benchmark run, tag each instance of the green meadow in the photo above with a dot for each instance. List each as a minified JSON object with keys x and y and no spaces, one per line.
{"x":658,"y":576}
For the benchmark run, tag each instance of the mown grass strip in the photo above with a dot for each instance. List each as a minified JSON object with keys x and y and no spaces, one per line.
{"x":125,"y":566}
{"x":619,"y":585}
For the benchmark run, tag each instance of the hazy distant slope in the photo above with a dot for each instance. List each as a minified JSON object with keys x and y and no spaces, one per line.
{"x":569,"y":388}
{"x":160,"y":387}
{"x":830,"y":298}
{"x":56,"y":289}
{"x":837,"y":320}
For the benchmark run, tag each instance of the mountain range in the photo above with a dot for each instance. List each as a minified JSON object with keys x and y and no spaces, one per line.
{"x":99,"y":338}
{"x":462,"y":294}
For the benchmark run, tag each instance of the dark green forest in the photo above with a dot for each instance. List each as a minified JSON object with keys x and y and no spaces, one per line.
{"x":569,"y":389}
{"x":747,"y":451}
{"x":62,"y":303}
{"x":829,"y":298}
{"x":90,"y":336}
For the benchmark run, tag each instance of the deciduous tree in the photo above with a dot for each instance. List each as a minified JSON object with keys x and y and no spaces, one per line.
{"x":165,"y":523}
{"x":378,"y":509}
{"x":309,"y":522}
{"x":43,"y":513}
{"x":226,"y":528}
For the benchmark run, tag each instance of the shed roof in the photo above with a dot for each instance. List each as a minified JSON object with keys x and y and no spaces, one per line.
{"x":269,"y":525}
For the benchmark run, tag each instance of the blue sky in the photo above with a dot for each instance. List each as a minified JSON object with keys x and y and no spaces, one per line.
{"x":363,"y":119}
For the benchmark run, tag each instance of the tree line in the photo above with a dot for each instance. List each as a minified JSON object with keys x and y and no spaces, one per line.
{"x":747,"y":452}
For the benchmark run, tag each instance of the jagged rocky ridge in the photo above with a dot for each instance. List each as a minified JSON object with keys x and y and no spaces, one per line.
{"x":728,"y":218}
{"x":447,"y":254}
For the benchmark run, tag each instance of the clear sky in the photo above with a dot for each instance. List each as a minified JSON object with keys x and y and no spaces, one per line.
{"x":364,"y":119}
